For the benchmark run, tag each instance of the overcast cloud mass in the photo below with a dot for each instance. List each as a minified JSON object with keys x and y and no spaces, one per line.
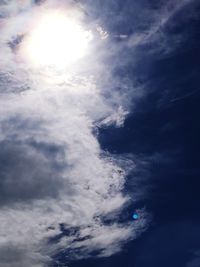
{"x":56,"y":183}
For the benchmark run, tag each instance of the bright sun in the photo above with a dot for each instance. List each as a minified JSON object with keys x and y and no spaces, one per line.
{"x":56,"y":40}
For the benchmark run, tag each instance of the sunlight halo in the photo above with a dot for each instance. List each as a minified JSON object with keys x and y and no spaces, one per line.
{"x":56,"y":40}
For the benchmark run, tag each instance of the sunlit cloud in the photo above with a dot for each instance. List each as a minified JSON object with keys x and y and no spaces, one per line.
{"x":55,"y":40}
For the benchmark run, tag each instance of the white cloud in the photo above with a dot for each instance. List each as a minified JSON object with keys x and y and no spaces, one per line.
{"x":53,"y":169}
{"x":116,"y":118}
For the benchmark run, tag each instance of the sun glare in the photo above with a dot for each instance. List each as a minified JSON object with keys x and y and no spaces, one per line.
{"x":56,"y":40}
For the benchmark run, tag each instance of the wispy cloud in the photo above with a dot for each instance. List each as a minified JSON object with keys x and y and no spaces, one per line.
{"x":156,"y":34}
{"x":195,"y":261}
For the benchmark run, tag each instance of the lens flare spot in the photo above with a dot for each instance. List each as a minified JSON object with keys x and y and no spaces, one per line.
{"x":135,"y":216}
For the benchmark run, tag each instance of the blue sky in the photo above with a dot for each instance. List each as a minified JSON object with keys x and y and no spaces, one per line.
{"x":84,"y":146}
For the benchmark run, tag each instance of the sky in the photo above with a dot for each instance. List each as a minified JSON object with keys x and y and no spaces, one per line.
{"x":90,"y":137}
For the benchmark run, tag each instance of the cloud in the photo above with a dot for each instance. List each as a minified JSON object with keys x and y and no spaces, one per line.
{"x":116,"y":118}
{"x":195,"y":261}
{"x":156,"y":34}
{"x":54,"y":175}
{"x":141,"y":23}
{"x":19,"y":161}
{"x":20,"y":257}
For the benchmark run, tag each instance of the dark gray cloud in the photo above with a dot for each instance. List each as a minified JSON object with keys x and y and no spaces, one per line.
{"x":20,"y":257}
{"x":26,"y":174}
